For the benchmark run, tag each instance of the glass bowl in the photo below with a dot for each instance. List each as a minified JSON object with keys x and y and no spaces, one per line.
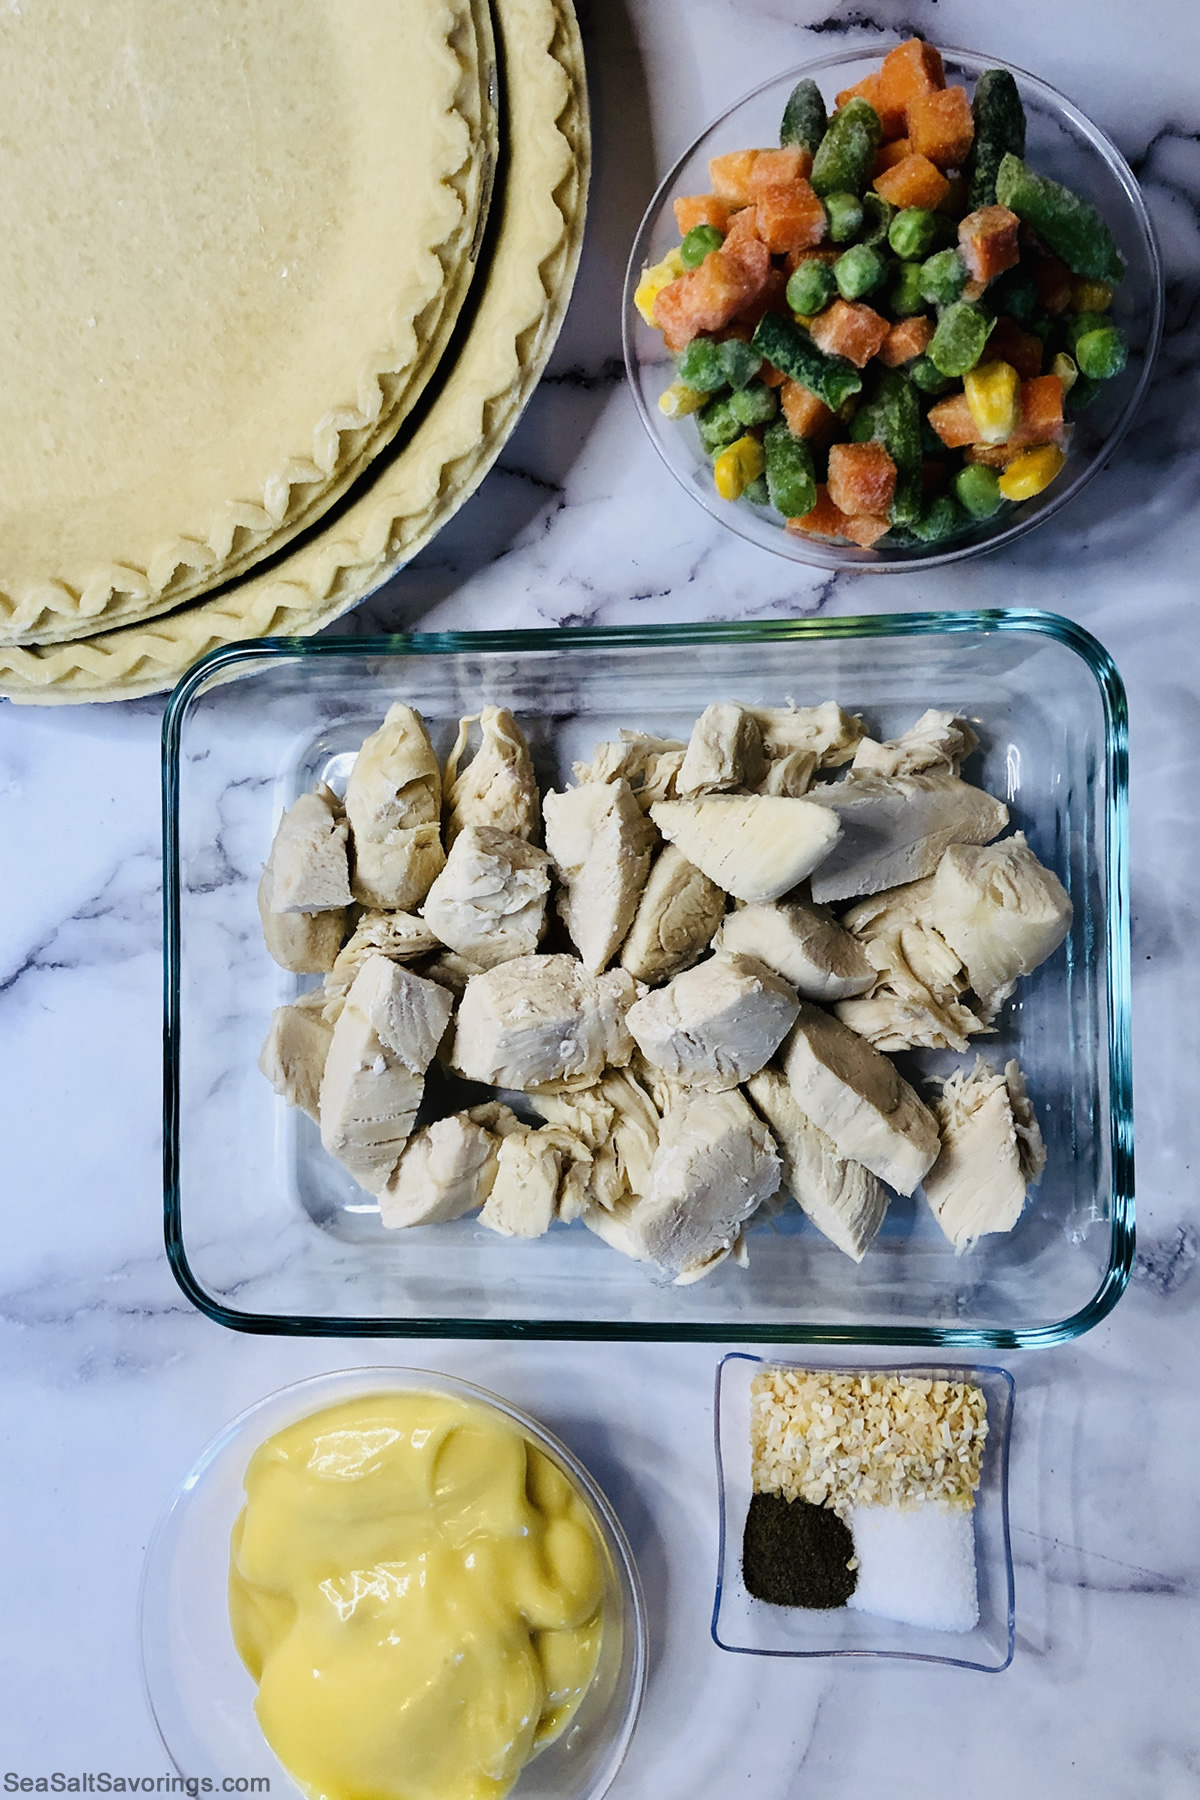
{"x":753,"y":1628}
{"x":202,"y":1696}
{"x":265,"y":1232}
{"x":1061,"y":143}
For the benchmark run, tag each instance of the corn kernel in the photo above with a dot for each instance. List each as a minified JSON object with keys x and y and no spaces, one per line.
{"x":993,"y":394}
{"x":678,"y":400}
{"x":1064,"y":367}
{"x":653,"y":281}
{"x":1027,"y":474}
{"x":743,"y":462}
{"x":1090,"y":296}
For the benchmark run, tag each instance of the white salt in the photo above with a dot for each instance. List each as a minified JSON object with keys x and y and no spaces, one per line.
{"x":916,"y":1566}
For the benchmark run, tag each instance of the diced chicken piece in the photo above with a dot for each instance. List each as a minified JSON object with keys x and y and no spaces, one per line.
{"x":601,"y":845}
{"x":661,"y":1089}
{"x":716,"y":1024}
{"x":856,"y":1097}
{"x":407,"y":1013}
{"x":489,"y":902}
{"x":678,"y":912}
{"x":937,"y":742}
{"x":1000,"y":910}
{"x":542,"y":1018}
{"x":447,"y":1169}
{"x":790,"y":774}
{"x":649,"y":764}
{"x":369,"y":1100}
{"x":992,"y":1150}
{"x":895,"y":828}
{"x":916,"y":1001}
{"x":825,"y":729}
{"x":804,"y":944}
{"x":451,"y":971}
{"x":617,"y":1122}
{"x":393,"y":803}
{"x":714,"y":1166}
{"x":401,"y":936}
{"x":498,"y":787}
{"x":724,"y":751}
{"x":308,"y":870}
{"x":305,"y":943}
{"x":524,"y":1197}
{"x":755,"y":846}
{"x":845,"y":1202}
{"x":293,"y":1055}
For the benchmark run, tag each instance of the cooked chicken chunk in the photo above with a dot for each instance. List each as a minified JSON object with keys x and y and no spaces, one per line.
{"x":617,"y":1122}
{"x":790,"y":774}
{"x":393,"y":803}
{"x":401,"y":936}
{"x":856,"y":1097}
{"x":601,"y":845}
{"x":716,"y":1024}
{"x":407,"y":1013}
{"x":524,"y":1197}
{"x":714,"y":1165}
{"x":308,"y":870}
{"x":804,"y":944}
{"x":369,"y":1100}
{"x":938,"y":742}
{"x":755,"y":846}
{"x":542,"y":1018}
{"x":498,"y":787}
{"x":826,"y":730}
{"x":724,"y":751}
{"x":447,"y":1169}
{"x":305,"y":943}
{"x":451,"y":971}
{"x":489,"y":902}
{"x":844,"y":1200}
{"x":896,"y":828}
{"x":678,"y":912}
{"x":1001,"y":911}
{"x":917,"y":999}
{"x":293,"y":1056}
{"x":649,"y":764}
{"x":992,"y":1150}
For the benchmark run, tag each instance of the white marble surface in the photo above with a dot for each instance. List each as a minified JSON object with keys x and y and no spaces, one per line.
{"x":111,"y":1383}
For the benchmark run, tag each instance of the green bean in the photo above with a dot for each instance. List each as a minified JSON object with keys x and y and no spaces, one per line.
{"x":804,"y":117}
{"x":791,"y":475}
{"x":845,"y":216}
{"x":846,"y":154}
{"x":999,"y":131}
{"x":930,"y":380}
{"x":832,"y":379}
{"x":1067,"y":224}
{"x":962,"y":331}
{"x":878,"y":214}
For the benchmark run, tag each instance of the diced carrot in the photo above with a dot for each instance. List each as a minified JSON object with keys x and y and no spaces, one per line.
{"x":770,"y":376}
{"x":730,"y":176}
{"x":700,"y":209}
{"x":864,"y":528}
{"x":1008,"y":343}
{"x":1053,"y":281}
{"x":911,"y":69}
{"x":993,"y":456}
{"x":742,"y":228}
{"x":850,"y":329}
{"x":806,"y":415}
{"x":940,"y":126}
{"x":778,"y":168}
{"x":951,"y":419}
{"x":891,"y":115}
{"x":906,"y":339}
{"x":707,"y":298}
{"x":987,"y":242}
{"x":913,"y":182}
{"x":973,"y":290}
{"x":1041,"y":412}
{"x":770,"y":298}
{"x":889,"y":154}
{"x":825,"y":519}
{"x":790,"y":217}
{"x":862,"y":479}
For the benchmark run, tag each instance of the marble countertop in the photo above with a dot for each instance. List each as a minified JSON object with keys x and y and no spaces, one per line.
{"x":112,"y":1383}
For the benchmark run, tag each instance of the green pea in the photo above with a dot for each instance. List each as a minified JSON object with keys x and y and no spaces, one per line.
{"x":757,"y":492}
{"x":943,"y":277}
{"x":878,"y":214}
{"x":845,"y":215}
{"x":943,"y":518}
{"x":858,"y":271}
{"x":1082,"y":394}
{"x":740,"y":363}
{"x":977,"y":488}
{"x":1101,"y":354}
{"x":756,"y":404}
{"x":913,"y":233}
{"x":811,"y":287}
{"x":700,"y":366}
{"x":697,"y":244}
{"x":922,"y":374}
{"x":906,"y":295}
{"x":718,"y":425}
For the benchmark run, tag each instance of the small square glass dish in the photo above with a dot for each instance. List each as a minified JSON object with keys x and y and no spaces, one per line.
{"x":266,"y":1232}
{"x":752,"y":1627}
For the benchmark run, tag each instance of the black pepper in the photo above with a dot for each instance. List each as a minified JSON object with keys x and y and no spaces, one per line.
{"x":796,"y":1554}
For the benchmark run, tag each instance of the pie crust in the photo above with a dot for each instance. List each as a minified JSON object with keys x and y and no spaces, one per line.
{"x":209,"y":335}
{"x":411,"y":493}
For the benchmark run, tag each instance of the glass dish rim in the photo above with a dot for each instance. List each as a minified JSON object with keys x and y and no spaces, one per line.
{"x":911,"y":1368}
{"x":226,"y":660}
{"x":821,"y":556}
{"x":628,"y":1576}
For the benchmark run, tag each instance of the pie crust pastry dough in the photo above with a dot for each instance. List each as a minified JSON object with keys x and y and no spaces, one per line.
{"x":262,"y":227}
{"x":411,"y":493}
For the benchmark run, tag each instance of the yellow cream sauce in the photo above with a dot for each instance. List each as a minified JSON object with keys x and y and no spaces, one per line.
{"x":417,"y":1590}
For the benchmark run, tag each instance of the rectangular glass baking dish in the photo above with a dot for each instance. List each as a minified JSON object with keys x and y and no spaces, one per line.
{"x":266,"y":1233}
